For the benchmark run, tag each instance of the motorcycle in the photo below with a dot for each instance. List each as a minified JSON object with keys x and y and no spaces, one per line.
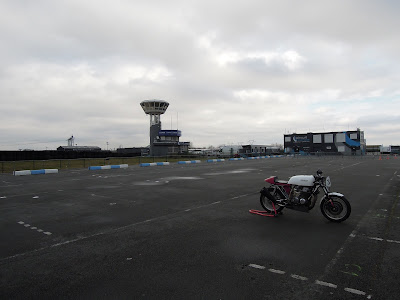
{"x":300,"y":193}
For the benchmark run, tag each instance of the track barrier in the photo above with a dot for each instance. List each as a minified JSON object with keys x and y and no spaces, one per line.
{"x":215,"y":160}
{"x":189,"y":162}
{"x":108,"y":167}
{"x":154,"y":164}
{"x":35,"y":172}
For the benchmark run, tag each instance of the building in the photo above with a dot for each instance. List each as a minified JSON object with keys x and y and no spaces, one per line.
{"x":342,"y":142}
{"x":391,"y":149}
{"x":162,"y":142}
{"x":79,"y":148}
{"x":134,"y":151}
{"x":260,"y":150}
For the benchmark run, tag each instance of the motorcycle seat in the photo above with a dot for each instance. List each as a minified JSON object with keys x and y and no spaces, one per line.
{"x":279,"y":181}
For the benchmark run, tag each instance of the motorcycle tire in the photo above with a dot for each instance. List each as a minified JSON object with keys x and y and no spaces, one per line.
{"x":267,"y":203}
{"x":335,"y":208}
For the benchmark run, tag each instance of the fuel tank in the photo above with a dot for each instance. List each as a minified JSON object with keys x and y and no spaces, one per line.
{"x":303,"y":180}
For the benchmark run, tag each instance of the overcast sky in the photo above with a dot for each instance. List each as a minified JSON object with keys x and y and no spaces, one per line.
{"x":234,"y":72}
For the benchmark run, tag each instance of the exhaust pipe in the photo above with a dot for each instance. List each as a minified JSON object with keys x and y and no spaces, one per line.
{"x":264,"y":191}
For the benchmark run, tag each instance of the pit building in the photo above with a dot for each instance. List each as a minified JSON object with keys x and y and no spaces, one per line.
{"x":340,"y":142}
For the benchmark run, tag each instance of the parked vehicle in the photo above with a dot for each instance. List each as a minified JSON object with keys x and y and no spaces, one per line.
{"x":300,"y":193}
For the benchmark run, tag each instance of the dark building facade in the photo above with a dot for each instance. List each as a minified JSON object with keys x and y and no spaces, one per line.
{"x":167,"y":143}
{"x":341,"y":142}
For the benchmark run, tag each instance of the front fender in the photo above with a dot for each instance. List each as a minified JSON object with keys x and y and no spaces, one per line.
{"x":331,"y":194}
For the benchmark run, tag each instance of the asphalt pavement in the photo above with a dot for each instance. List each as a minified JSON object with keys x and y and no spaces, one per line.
{"x":184,"y":231}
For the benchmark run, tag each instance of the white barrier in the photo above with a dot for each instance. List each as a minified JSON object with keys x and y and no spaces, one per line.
{"x":35,"y":172}
{"x":189,"y":162}
{"x":123,"y":166}
{"x":215,"y":160}
{"x":154,"y":164}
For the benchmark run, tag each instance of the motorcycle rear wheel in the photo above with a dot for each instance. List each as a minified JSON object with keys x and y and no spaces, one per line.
{"x":335,"y":208}
{"x":268,"y":205}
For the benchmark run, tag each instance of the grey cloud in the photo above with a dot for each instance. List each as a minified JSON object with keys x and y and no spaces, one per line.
{"x":82,"y":68}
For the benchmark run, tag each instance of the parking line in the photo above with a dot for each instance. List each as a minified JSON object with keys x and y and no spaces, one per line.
{"x":331,"y":285}
{"x":354,"y":291}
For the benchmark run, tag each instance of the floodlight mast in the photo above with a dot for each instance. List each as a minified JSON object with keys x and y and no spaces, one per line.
{"x":155,"y":108}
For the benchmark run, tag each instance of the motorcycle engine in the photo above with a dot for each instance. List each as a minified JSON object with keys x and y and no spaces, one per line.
{"x":300,"y":195}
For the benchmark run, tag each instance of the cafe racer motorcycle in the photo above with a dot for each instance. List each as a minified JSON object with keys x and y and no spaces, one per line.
{"x":300,"y":193}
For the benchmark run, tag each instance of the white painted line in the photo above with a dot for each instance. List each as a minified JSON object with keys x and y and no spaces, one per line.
{"x":109,"y":231}
{"x":298,"y":277}
{"x":331,"y":285}
{"x":33,"y":227}
{"x":375,"y":238}
{"x":354,"y":291}
{"x":257,"y":266}
{"x":322,"y":283}
{"x":216,"y":202}
{"x":392,"y":241}
{"x":188,"y":209}
{"x":27,"y":225}
{"x":277,"y":271}
{"x":21,"y":222}
{"x":47,"y":233}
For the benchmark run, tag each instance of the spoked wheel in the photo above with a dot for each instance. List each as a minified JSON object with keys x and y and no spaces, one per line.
{"x":268,"y":205}
{"x":335,"y":208}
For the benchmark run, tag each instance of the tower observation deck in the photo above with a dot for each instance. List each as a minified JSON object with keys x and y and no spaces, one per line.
{"x":154,"y":108}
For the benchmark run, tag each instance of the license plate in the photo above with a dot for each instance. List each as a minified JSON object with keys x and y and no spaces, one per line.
{"x":328,"y":182}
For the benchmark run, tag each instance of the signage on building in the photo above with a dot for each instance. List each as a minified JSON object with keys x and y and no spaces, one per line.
{"x":301,"y":139}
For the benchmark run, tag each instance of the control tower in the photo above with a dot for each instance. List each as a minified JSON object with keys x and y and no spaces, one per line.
{"x":154,"y":108}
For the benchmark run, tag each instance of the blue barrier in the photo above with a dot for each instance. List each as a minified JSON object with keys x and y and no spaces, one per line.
{"x":215,"y":160}
{"x":189,"y":162}
{"x":123,"y":166}
{"x":239,"y":158}
{"x":35,"y":172}
{"x":154,"y":164}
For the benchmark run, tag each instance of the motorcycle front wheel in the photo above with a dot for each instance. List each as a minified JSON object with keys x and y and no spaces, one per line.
{"x":335,"y":208}
{"x":268,"y":205}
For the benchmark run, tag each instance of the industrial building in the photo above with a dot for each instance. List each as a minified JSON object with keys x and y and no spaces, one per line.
{"x":162,"y":142}
{"x":341,"y":142}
